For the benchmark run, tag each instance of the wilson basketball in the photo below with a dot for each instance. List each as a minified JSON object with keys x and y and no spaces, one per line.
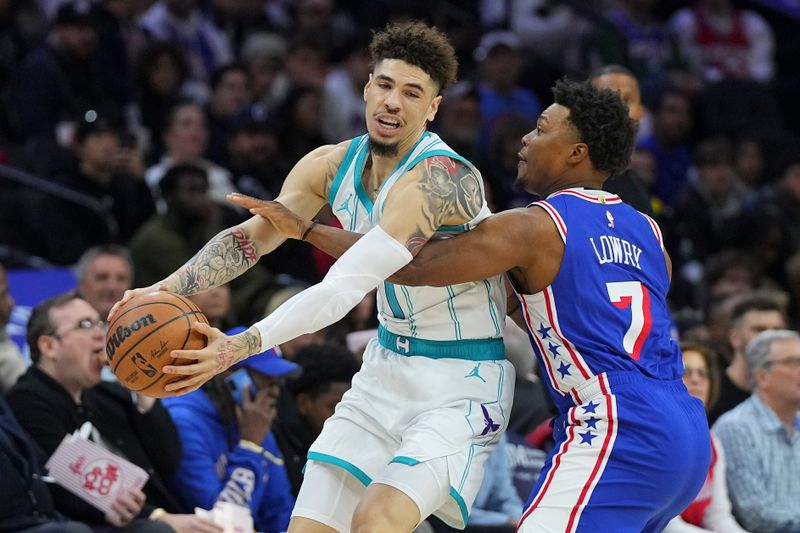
{"x":142,"y":336}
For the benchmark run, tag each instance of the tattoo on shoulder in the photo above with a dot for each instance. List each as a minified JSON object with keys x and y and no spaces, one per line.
{"x":451,"y":188}
{"x":222,"y":259}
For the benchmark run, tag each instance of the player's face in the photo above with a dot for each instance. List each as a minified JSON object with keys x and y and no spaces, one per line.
{"x":401,"y":100}
{"x":695,"y":375}
{"x":543,"y":158}
{"x":628,"y":90}
{"x":106,"y":280}
{"x":781,"y":378}
{"x":316,"y":410}
{"x":78,"y":352}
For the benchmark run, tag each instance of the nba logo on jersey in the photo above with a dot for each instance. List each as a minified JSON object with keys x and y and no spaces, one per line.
{"x":610,"y":218}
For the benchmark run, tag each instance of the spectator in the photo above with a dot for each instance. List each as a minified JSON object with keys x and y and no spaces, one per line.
{"x":12,"y":363}
{"x":721,"y":41}
{"x":160,"y":72}
{"x":253,"y":156}
{"x":183,"y":23}
{"x":711,"y":509}
{"x":166,"y":241}
{"x":215,"y":304}
{"x":751,"y":315}
{"x":343,"y":100}
{"x":109,"y":174}
{"x":497,"y":505}
{"x":500,"y":59}
{"x":104,"y":273}
{"x":58,"y":82}
{"x":186,"y":140}
{"x":299,"y":116}
{"x":26,"y":505}
{"x":229,"y":95}
{"x":760,"y":437}
{"x":708,"y":204}
{"x":230,"y":452}
{"x":458,"y":122}
{"x":62,"y":391}
{"x":626,"y":184}
{"x":308,"y":400}
{"x":264,"y":55}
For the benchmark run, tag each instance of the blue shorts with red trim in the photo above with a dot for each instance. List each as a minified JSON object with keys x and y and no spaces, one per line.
{"x":629,"y":458}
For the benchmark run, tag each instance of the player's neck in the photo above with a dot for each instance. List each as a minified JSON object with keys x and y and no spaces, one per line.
{"x":379,"y":166}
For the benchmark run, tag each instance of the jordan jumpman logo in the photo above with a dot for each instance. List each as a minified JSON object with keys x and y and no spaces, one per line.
{"x":346,"y":205}
{"x":474,"y":373}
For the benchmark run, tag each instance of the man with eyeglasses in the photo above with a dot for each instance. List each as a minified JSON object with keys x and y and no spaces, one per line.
{"x":761,"y":437}
{"x":62,"y":390}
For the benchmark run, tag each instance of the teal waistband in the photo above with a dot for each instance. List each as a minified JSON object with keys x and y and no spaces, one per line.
{"x":470,"y":349}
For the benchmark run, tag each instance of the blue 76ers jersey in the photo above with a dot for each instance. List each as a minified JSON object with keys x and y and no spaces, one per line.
{"x":606,"y":310}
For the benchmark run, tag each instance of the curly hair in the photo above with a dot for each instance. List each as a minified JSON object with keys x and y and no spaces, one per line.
{"x":323,"y":364}
{"x":420,"y":45}
{"x":602,"y":122}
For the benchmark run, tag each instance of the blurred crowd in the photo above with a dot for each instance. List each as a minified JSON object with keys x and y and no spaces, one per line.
{"x":124,"y":123}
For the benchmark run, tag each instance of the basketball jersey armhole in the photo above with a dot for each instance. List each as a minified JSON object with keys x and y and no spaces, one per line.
{"x":561,"y":226}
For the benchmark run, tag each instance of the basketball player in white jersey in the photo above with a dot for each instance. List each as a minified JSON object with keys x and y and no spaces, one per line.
{"x":433,"y":395}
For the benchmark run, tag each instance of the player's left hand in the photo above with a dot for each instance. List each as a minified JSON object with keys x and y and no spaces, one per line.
{"x":221,"y":352}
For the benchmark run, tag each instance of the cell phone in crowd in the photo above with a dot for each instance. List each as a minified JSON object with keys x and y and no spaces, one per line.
{"x":236,"y":382}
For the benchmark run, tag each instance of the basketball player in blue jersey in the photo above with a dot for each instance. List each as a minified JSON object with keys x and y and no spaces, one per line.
{"x":590,"y":277}
{"x":410,"y":437}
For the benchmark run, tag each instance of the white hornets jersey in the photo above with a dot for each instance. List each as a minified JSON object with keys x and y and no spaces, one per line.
{"x":410,"y":317}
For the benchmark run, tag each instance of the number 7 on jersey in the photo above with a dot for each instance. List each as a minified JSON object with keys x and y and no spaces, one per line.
{"x":632,"y":294}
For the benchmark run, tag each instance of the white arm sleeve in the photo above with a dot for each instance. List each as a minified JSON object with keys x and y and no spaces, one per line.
{"x":375,"y":257}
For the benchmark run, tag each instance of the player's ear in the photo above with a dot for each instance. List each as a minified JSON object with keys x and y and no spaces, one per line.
{"x":367,"y":86}
{"x":578,"y":153}
{"x":434,"y":108}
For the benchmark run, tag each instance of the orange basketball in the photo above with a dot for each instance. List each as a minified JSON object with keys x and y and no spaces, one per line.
{"x":142,"y":336}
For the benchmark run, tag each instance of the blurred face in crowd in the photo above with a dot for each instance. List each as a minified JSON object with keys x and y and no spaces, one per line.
{"x":718,"y":179}
{"x":79,"y":40}
{"x":106,"y":279}
{"x":628,"y":89}
{"x":190,"y":198}
{"x":253,"y":148}
{"x":791,"y":182}
{"x":231,"y":93}
{"x":306,"y":113}
{"x":316,"y":409}
{"x":180,"y":8}
{"x":6,"y":300}
{"x":696,"y":375}
{"x":673,"y":121}
{"x":779,"y":380}
{"x":164,"y":75}
{"x":750,"y":324}
{"x":264,"y":382}
{"x":215,"y":303}
{"x":461,"y":119}
{"x":187,"y":136}
{"x":97,"y":152}
{"x":501,"y":68}
{"x":74,"y":352}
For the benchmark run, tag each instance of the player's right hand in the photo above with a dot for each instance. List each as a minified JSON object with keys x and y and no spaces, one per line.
{"x":284,"y":220}
{"x":130,"y":293}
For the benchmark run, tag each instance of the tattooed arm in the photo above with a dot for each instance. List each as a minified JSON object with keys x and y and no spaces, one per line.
{"x":234,"y":250}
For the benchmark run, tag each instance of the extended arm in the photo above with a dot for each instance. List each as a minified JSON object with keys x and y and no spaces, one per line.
{"x":436,"y":192}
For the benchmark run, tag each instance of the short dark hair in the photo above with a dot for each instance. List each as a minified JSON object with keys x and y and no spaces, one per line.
{"x":611,"y":69}
{"x":219,"y":73}
{"x":322,"y":364}
{"x":169,"y":182}
{"x":757,"y":301}
{"x":602,"y":122}
{"x":39,"y":322}
{"x":420,"y":45}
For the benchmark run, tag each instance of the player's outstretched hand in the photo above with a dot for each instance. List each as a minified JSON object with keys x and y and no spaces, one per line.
{"x":130,"y":293}
{"x":284,"y":220}
{"x":220,"y":353}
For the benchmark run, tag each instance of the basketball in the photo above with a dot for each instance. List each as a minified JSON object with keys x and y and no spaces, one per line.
{"x":142,"y":336}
